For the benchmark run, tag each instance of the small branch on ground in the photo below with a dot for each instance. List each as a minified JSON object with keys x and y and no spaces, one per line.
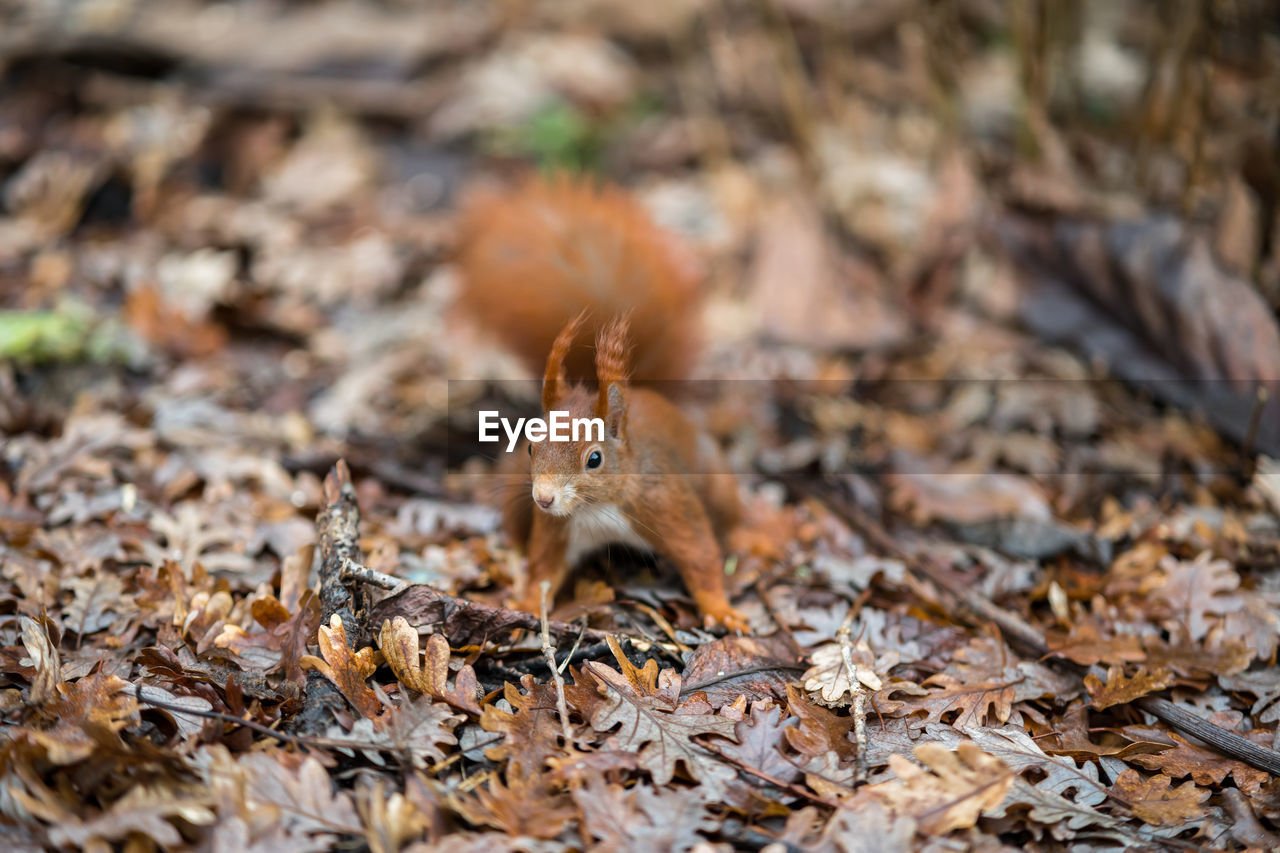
{"x":338,"y":541}
{"x":859,"y":711}
{"x":353,"y":571}
{"x":562,"y":707}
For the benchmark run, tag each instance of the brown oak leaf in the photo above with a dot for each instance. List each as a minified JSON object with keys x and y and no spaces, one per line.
{"x":301,"y":792}
{"x":97,"y":602}
{"x":1205,"y":766}
{"x":1194,"y":660}
{"x":1155,"y":801}
{"x":1071,"y":737}
{"x":530,"y":732}
{"x":43,"y":652}
{"x":950,"y":700}
{"x":1197,"y":594}
{"x":642,"y":820}
{"x":957,"y":788}
{"x":734,"y":666}
{"x":398,"y":641}
{"x":524,"y":806}
{"x":1086,"y":645}
{"x":1120,"y":689}
{"x":760,"y":737}
{"x":345,"y":668}
{"x":415,"y":729}
{"x":96,"y":707}
{"x":650,"y":724}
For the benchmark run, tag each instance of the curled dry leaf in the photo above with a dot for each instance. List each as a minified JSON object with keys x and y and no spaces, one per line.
{"x":398,"y":641}
{"x":524,"y":806}
{"x":390,"y":821}
{"x":345,"y":668}
{"x":958,"y":787}
{"x":286,"y":635}
{"x":1120,"y":689}
{"x":462,"y":622}
{"x":44,"y":659}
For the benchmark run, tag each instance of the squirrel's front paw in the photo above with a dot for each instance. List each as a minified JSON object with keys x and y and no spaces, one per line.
{"x":726,"y":615}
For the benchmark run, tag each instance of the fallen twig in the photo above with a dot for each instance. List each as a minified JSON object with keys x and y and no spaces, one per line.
{"x":338,"y":541}
{"x":859,"y":711}
{"x":351,"y":570}
{"x":549,"y":651}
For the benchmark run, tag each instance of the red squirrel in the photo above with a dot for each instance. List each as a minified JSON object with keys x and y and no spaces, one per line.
{"x":549,"y":267}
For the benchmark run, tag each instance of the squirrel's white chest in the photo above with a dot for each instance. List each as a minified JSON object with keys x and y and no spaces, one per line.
{"x":598,"y":525}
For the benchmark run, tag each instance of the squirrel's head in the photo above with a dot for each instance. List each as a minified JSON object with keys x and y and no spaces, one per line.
{"x":570,"y":474}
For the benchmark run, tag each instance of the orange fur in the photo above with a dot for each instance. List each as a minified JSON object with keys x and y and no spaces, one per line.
{"x":553,"y":381}
{"x":545,"y":266}
{"x":534,"y":257}
{"x":611,"y":362}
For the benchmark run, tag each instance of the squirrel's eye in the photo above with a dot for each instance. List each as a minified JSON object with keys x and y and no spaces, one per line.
{"x":530,"y":446}
{"x":594,"y":460}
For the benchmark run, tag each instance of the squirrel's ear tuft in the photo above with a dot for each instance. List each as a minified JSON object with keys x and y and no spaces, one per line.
{"x":553,"y":382}
{"x":611,"y":362}
{"x":615,"y":416}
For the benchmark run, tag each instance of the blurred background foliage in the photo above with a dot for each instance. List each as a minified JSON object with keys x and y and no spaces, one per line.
{"x":190,"y":169}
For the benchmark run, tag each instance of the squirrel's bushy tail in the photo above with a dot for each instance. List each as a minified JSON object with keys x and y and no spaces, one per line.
{"x":535,"y":257}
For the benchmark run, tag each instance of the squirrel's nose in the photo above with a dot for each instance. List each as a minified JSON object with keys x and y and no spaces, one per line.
{"x":544,"y":499}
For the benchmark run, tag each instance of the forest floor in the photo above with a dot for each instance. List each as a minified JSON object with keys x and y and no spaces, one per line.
{"x":994,"y":285}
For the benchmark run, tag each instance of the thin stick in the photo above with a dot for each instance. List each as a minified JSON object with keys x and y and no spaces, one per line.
{"x":772,"y":780}
{"x":577,"y":644}
{"x":562,"y":707}
{"x":306,"y":744}
{"x":337,"y":540}
{"x":351,"y":570}
{"x":173,"y":708}
{"x":859,"y":711}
